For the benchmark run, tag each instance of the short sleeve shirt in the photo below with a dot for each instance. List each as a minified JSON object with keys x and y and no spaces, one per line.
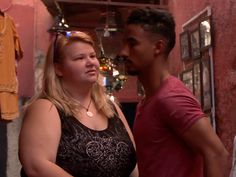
{"x":158,"y":128}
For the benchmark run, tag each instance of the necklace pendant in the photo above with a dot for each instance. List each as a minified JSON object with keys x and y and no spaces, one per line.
{"x":89,"y":114}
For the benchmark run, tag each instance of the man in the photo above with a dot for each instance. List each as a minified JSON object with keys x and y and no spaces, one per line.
{"x":172,"y":134}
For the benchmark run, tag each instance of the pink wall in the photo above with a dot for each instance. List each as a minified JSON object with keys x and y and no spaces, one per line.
{"x":32,"y":21}
{"x":43,"y":21}
{"x":32,"y":26}
{"x":129,"y":91}
{"x":24,"y":23}
{"x":224,"y":56}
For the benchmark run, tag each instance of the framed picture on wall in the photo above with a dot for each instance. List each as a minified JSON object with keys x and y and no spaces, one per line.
{"x":205,"y":33}
{"x":211,"y":119}
{"x":185,"y":45}
{"x":197,"y":87}
{"x":195,"y":43}
{"x":206,"y":84}
{"x":187,"y":78}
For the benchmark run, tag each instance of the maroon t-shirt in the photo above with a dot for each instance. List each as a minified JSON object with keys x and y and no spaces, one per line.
{"x":158,"y":128}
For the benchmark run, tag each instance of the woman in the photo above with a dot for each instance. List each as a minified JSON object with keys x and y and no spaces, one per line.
{"x":72,"y":128}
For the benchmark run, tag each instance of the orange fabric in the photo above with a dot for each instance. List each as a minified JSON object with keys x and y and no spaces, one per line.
{"x":9,"y":106}
{"x":10,"y":51}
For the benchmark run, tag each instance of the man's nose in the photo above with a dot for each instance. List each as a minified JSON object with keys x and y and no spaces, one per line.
{"x":123,"y":52}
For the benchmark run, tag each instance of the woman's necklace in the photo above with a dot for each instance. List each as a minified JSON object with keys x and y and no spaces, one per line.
{"x":89,"y":113}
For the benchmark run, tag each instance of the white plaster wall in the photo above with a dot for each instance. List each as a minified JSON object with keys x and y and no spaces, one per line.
{"x":13,"y":129}
{"x":13,"y":164}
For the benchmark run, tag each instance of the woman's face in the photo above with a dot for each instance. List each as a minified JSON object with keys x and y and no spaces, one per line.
{"x":79,"y":65}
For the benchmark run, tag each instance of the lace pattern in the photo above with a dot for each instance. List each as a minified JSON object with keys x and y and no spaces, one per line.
{"x":84,"y":152}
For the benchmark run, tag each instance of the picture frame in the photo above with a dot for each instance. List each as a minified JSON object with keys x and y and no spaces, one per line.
{"x":209,"y":115}
{"x":185,"y":45}
{"x":206,"y":83}
{"x":195,"y":43}
{"x":197,"y":84}
{"x":205,"y":33}
{"x":187,"y":79}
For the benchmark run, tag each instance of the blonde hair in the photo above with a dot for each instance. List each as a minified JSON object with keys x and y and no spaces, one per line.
{"x":52,"y":88}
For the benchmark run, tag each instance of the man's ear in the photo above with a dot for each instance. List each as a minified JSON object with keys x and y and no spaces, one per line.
{"x":58,"y":69}
{"x":160,"y":46}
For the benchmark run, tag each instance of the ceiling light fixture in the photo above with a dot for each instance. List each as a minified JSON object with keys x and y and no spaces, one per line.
{"x":60,"y":24}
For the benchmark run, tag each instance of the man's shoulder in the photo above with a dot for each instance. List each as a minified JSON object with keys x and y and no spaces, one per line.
{"x":171,"y":88}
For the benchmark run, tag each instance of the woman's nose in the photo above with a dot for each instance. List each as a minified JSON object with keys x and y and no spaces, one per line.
{"x":91,"y":61}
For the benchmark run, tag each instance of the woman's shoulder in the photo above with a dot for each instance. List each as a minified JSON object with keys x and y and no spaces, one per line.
{"x":41,"y":106}
{"x":43,"y":113}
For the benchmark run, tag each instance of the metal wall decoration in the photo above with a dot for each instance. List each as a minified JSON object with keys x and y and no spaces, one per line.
{"x":185,"y":46}
{"x":197,"y":84}
{"x":205,"y":33}
{"x":206,"y":83}
{"x":187,"y":78}
{"x":210,"y":118}
{"x":111,"y":69}
{"x":195,"y":42}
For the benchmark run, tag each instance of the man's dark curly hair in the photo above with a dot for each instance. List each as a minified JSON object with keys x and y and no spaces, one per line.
{"x":156,"y":21}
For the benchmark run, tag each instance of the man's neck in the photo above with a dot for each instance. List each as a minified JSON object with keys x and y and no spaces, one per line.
{"x":152,"y":80}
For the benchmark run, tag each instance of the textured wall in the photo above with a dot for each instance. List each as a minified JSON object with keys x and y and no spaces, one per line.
{"x":34,"y":39}
{"x":224,"y":56}
{"x":225,"y":68}
{"x":43,"y":21}
{"x":32,"y":26}
{"x":129,"y":91}
{"x":24,"y":23}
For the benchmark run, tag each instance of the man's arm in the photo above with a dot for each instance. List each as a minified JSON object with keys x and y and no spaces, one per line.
{"x":202,"y":138}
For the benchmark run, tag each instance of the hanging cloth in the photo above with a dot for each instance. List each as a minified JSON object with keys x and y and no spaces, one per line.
{"x":10,"y":51}
{"x":233,"y":169}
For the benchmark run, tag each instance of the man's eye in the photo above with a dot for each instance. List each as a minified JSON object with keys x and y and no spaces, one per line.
{"x":132,"y":43}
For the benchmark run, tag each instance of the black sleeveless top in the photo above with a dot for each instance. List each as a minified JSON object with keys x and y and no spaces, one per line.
{"x":84,"y":152}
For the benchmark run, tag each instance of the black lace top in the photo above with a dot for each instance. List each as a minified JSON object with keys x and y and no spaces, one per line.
{"x":84,"y":152}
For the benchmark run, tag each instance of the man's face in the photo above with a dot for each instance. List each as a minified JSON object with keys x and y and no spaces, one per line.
{"x":138,"y":49}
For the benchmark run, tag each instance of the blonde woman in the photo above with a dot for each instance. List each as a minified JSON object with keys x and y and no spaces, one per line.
{"x":72,"y":128}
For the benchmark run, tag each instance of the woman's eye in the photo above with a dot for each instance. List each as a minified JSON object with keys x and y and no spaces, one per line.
{"x":79,"y":58}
